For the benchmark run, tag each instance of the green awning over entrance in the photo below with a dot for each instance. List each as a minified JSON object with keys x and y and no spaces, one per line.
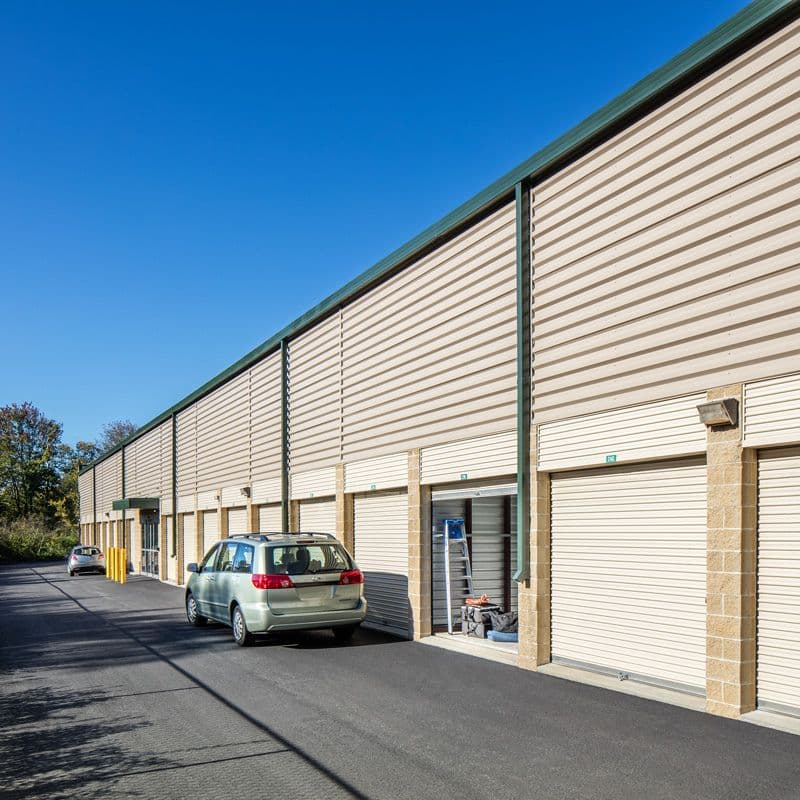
{"x":135,"y":502}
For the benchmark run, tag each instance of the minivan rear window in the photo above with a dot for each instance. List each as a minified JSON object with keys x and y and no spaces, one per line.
{"x":307,"y":559}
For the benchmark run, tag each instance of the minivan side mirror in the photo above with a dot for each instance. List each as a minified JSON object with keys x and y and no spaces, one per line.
{"x":192,"y":567}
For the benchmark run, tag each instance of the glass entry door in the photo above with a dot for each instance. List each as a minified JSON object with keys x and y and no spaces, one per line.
{"x":150,"y":552}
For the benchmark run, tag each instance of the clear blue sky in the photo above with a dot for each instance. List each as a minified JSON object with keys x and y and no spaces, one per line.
{"x":180,"y":180}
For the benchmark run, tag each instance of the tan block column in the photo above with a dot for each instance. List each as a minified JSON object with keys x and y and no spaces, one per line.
{"x":294,"y":516}
{"x":252,"y":517}
{"x":344,"y":512}
{"x":180,"y":566}
{"x":419,"y":549}
{"x":731,"y":564}
{"x":198,"y":529}
{"x":163,"y":544}
{"x":534,"y":594}
{"x":136,"y":552}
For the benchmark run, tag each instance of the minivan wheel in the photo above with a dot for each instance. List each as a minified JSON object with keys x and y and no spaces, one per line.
{"x":344,"y":633}
{"x":241,"y":635}
{"x":192,"y":613}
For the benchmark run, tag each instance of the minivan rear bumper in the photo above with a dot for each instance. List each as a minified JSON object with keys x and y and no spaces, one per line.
{"x":260,"y":619}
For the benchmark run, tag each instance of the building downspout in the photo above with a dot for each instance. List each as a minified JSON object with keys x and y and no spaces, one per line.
{"x":522,"y":196}
{"x":121,"y":537}
{"x":285,"y":435}
{"x":174,"y":485}
{"x":94,"y":506}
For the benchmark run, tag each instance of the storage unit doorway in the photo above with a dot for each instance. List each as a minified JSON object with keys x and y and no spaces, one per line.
{"x":318,"y":515}
{"x":489,"y":514}
{"x":270,"y":518}
{"x":628,"y":560}
{"x":210,"y":531}
{"x":778,"y":627}
{"x":237,"y":521}
{"x":150,"y":543}
{"x":380,"y":534}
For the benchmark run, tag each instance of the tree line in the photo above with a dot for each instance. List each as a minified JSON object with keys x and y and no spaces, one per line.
{"x":39,"y":505}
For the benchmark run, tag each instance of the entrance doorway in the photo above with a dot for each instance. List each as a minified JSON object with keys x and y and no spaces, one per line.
{"x":150,"y":543}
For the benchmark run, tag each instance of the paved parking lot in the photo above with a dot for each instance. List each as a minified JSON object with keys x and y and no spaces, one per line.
{"x":107,"y":692}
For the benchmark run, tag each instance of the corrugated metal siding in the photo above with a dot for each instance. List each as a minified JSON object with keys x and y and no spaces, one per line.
{"x":318,"y":516}
{"x":143,"y":465}
{"x":652,"y":430}
{"x":223,"y":435}
{"x":237,"y":521}
{"x":265,"y":420}
{"x":381,"y":549}
{"x":187,"y":450}
{"x":166,"y":466}
{"x":778,"y":668}
{"x":316,"y":483}
{"x":445,"y":509}
{"x":269,"y":519}
{"x":231,"y":496}
{"x":189,"y":544}
{"x":666,"y":261}
{"x":186,"y":503}
{"x":384,"y":472}
{"x":430,"y":354}
{"x":109,"y":482}
{"x":268,"y":491}
{"x":86,"y":496}
{"x":467,"y":459}
{"x":629,"y":570}
{"x":210,"y":530}
{"x":771,"y":413}
{"x":314,"y":369}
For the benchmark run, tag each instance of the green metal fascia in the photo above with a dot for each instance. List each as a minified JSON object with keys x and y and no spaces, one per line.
{"x":756,"y":19}
{"x":523,"y":222}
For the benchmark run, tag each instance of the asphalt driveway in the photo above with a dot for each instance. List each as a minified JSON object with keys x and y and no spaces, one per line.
{"x":105,"y":691}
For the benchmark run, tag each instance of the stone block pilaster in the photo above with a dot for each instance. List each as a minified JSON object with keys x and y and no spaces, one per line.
{"x":419,"y":549}
{"x":344,"y":511}
{"x":252,"y":517}
{"x":534,"y":593}
{"x":180,"y":566}
{"x":199,"y":534}
{"x":222,"y":517}
{"x":294,"y":516}
{"x":731,"y":568}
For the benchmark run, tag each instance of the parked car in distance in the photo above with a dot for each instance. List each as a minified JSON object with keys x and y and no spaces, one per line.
{"x":258,"y":583}
{"x":85,"y":558}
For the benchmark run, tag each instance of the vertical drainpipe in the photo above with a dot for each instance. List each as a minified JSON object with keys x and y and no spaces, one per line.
{"x":94,"y":505}
{"x":174,"y":485}
{"x":522,"y":196}
{"x":122,"y":464}
{"x":284,"y":435}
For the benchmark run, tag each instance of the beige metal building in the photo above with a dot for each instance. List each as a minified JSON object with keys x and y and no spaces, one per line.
{"x":533,"y":364}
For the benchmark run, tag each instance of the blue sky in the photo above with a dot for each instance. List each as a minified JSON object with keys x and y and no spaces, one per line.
{"x":180,"y":180}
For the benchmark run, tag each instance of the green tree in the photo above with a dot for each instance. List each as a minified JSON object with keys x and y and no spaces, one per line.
{"x":32,"y":460}
{"x":66,"y":506}
{"x":114,"y":433}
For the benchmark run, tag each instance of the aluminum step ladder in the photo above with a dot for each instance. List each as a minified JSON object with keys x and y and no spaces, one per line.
{"x":456,"y":537}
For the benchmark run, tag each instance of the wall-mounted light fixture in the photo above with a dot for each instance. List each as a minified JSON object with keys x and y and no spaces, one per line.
{"x":245,"y":490}
{"x":719,"y":412}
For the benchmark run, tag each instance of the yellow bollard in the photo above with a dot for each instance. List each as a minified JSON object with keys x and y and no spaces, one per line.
{"x":108,"y":563}
{"x":118,"y":565}
{"x":124,"y":573}
{"x":115,"y":562}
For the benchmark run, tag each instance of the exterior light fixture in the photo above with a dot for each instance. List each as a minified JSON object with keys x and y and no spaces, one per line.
{"x":719,"y":412}
{"x":245,"y":490}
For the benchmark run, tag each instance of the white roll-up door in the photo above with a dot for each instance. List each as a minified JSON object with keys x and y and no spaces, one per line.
{"x":170,"y":558}
{"x":380,"y":524}
{"x":237,"y":521}
{"x":210,"y":531}
{"x":318,"y":516}
{"x":778,"y":666}
{"x":189,"y":543}
{"x":270,"y":519}
{"x":629,"y":571}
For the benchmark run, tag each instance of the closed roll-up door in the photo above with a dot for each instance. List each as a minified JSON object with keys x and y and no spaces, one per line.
{"x":237,"y":521}
{"x":629,"y":571}
{"x":318,"y":516}
{"x":168,"y":552}
{"x":380,"y":524}
{"x":270,"y":519}
{"x":210,"y":530}
{"x":189,"y":543}
{"x":778,"y":666}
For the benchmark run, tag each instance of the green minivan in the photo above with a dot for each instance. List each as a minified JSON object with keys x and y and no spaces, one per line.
{"x":263,"y":582}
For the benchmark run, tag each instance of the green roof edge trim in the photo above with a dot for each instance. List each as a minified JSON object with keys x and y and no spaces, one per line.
{"x":687,"y":63}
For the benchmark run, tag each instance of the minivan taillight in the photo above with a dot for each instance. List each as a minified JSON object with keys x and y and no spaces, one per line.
{"x":351,"y":576}
{"x":272,"y":581}
{"x":100,"y":555}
